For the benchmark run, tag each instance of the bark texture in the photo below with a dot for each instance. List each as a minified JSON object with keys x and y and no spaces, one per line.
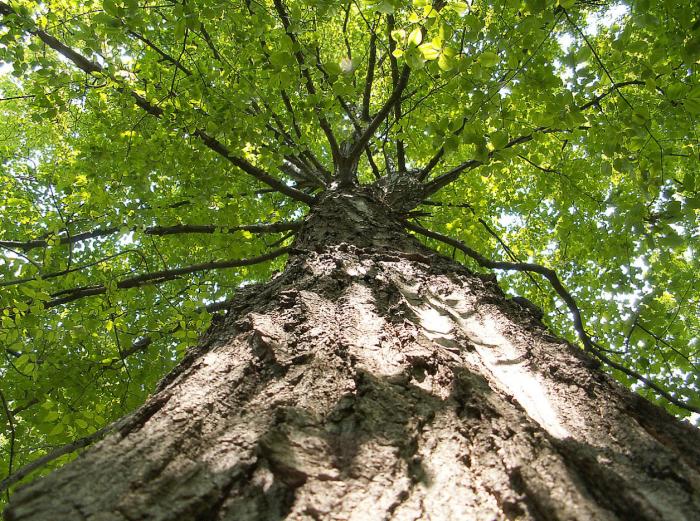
{"x":374,"y":379}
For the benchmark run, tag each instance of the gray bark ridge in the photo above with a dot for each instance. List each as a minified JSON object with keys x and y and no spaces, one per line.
{"x":376,"y":380}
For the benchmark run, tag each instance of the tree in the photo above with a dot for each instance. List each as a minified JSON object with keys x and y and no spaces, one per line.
{"x":268,"y":203}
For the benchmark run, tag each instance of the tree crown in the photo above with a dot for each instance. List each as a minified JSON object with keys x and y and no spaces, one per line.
{"x":157,"y":155}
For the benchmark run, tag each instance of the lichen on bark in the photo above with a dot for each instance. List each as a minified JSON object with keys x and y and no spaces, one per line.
{"x":375,"y":379}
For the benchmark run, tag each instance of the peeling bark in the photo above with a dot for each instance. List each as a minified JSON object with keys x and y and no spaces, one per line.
{"x":374,"y":379}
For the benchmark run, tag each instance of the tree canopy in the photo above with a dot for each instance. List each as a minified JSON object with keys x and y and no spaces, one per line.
{"x":156,"y":155}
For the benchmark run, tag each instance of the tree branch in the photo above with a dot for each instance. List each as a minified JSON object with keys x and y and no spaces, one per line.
{"x":162,"y":53}
{"x":55,"y":454}
{"x":211,"y":45}
{"x":143,"y":342}
{"x":589,"y":344}
{"x":11,"y":422}
{"x":440,"y":182}
{"x":297,"y":130}
{"x":613,"y":88}
{"x":360,"y":143}
{"x":612,"y":81}
{"x":310,"y":87}
{"x":282,"y":226}
{"x":443,"y":180}
{"x":369,"y":79}
{"x":156,"y":277}
{"x":400,"y":152}
{"x":45,"y":276}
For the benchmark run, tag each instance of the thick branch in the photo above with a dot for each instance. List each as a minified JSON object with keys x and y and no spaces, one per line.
{"x":369,"y":79}
{"x":253,"y":170}
{"x":310,"y":87}
{"x":400,"y":152}
{"x":156,"y":277}
{"x":51,"y":456}
{"x":588,"y":343}
{"x":359,"y":145}
{"x":448,"y":177}
{"x":157,"y":230}
{"x":452,"y":175}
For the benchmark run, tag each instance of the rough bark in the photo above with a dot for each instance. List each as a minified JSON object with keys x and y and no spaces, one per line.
{"x":374,"y":379}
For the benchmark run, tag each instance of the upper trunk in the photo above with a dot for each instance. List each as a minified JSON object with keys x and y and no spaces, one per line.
{"x":374,"y":379}
{"x":354,"y":218}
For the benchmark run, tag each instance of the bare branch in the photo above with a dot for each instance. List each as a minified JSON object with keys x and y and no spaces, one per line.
{"x":369,"y":79}
{"x":360,"y":143}
{"x":51,"y":456}
{"x":310,"y":87}
{"x":282,"y":226}
{"x":400,"y":152}
{"x":156,"y":277}
{"x":589,"y":344}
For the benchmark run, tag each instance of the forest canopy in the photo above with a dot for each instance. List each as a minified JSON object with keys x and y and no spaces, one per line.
{"x":157,"y":155}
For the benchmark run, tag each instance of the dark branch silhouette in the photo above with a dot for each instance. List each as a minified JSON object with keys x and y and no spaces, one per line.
{"x":155,"y":230}
{"x":155,"y":277}
{"x":589,"y":344}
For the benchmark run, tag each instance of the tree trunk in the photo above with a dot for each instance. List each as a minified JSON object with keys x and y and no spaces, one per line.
{"x":374,"y":379}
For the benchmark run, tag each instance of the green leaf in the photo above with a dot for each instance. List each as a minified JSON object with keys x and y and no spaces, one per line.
{"x":445,"y":62}
{"x":414,"y":59}
{"x":489,"y":59}
{"x":692,"y":105}
{"x":460,"y":8}
{"x":398,"y":35}
{"x":429,"y":51}
{"x":386,"y":8}
{"x":110,"y":7}
{"x":416,"y":37}
{"x":499,"y":139}
{"x":180,"y":28}
{"x":57,"y":429}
